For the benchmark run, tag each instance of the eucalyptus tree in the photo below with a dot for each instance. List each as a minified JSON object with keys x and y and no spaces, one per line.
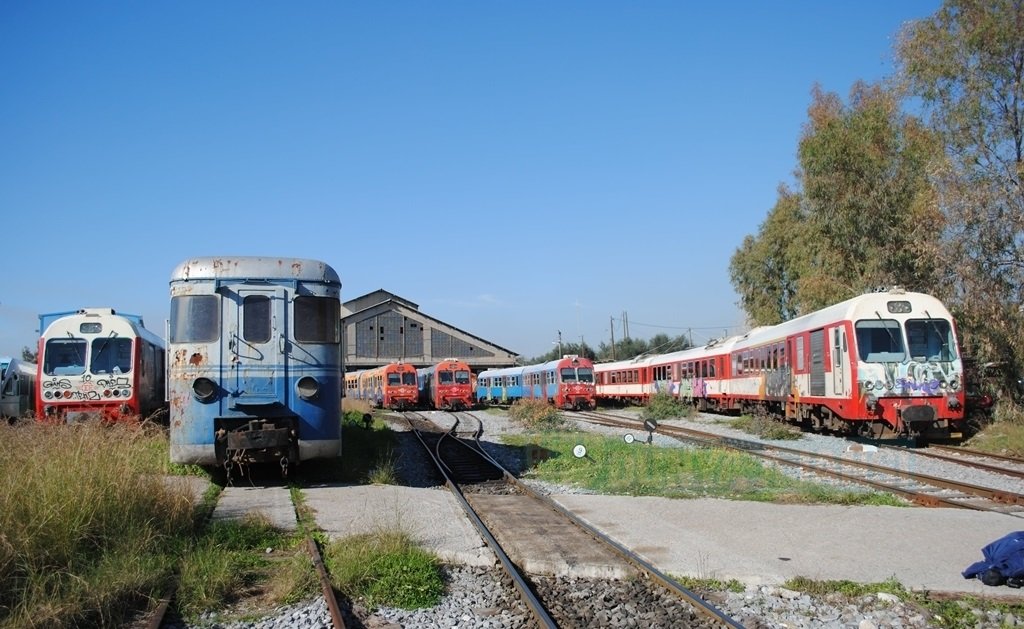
{"x":863,"y":216}
{"x":965,"y":65}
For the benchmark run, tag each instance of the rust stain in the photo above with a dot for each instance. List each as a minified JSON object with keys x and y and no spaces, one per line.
{"x":196,"y":359}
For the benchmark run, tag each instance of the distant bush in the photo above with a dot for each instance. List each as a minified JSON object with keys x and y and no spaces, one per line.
{"x":665,"y":406}
{"x":764,"y":426}
{"x":536,"y":414}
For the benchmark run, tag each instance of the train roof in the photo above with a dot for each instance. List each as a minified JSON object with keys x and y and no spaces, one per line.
{"x":133,"y":321}
{"x":867,"y":306}
{"x":254,"y":267}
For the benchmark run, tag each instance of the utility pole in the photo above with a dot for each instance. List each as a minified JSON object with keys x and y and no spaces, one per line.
{"x":560,"y":344}
{"x":625,"y":324}
{"x":611,"y":325}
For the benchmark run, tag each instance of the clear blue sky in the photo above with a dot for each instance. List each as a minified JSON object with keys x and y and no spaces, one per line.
{"x":515,"y":168}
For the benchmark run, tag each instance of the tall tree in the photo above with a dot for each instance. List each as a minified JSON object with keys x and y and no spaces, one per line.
{"x":966,"y":65}
{"x":873,"y":220}
{"x":766,"y":268}
{"x":864,"y":216}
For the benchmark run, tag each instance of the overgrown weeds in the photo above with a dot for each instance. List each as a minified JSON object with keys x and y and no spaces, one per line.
{"x":89,"y":527}
{"x":1005,"y":433}
{"x":665,"y":406}
{"x":385,"y":568}
{"x":945,"y":612}
{"x":762,"y":425}
{"x":536,"y":415}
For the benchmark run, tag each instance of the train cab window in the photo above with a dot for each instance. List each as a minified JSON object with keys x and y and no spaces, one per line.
{"x":195,"y":319}
{"x":445,"y":377}
{"x":462,"y":377}
{"x":256,"y":318}
{"x":64,"y":357}
{"x":111,"y":355}
{"x":880,"y":340}
{"x":317,"y":319}
{"x":408,"y":377}
{"x":930,"y":339}
{"x":394,"y":379}
{"x":585,"y":374}
{"x":568,"y":374}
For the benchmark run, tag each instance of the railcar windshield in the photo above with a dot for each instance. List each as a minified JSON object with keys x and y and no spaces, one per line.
{"x":930,"y":339}
{"x":577,"y":374}
{"x":394,"y":379}
{"x":195,"y":319}
{"x":64,"y":357}
{"x":585,"y":374}
{"x":445,"y":377}
{"x":317,"y":319}
{"x":462,"y":377}
{"x":880,"y":341}
{"x":408,"y":377}
{"x":111,"y":355}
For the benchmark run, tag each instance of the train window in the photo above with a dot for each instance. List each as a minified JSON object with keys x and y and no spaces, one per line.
{"x":91,"y":327}
{"x":195,"y":319}
{"x":462,"y":377}
{"x":409,"y":377}
{"x":111,"y":355}
{"x":256,"y":318}
{"x":799,"y":353}
{"x":880,"y":340}
{"x":445,"y":377}
{"x":930,"y":339}
{"x":317,"y":319}
{"x":394,"y":379}
{"x":711,"y":368}
{"x":64,"y":357}
{"x":568,"y":375}
{"x":585,"y":374}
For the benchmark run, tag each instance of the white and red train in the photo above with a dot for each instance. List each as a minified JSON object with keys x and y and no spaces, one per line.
{"x":389,"y":386}
{"x":96,"y":362}
{"x":885,"y":363}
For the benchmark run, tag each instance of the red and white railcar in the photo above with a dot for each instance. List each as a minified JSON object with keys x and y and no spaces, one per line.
{"x":878,"y":364}
{"x":389,"y":386}
{"x":446,"y":385}
{"x":96,"y":362}
{"x":567,"y":382}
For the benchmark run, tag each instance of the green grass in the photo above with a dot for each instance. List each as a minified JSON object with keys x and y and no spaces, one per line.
{"x":1004,"y":434}
{"x":385,"y":568}
{"x":244,"y":559}
{"x":614,"y":467}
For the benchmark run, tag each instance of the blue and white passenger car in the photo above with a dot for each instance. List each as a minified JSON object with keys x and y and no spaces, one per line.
{"x":254,"y":361}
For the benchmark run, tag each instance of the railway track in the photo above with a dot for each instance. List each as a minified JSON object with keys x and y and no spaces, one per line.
{"x":515,"y":521}
{"x":921,"y":489}
{"x":258,"y":499}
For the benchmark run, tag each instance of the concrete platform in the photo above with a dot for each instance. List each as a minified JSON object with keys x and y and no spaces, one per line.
{"x":755,"y":543}
{"x":430,"y":516}
{"x":272,"y":503}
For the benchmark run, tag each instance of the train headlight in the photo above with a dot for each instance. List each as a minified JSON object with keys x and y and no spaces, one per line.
{"x":879,"y":385}
{"x":203,"y":389}
{"x":952,"y":402}
{"x":869,"y":385}
{"x":954,"y":384}
{"x":307,"y":387}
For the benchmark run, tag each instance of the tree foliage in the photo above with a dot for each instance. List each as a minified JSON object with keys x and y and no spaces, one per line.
{"x":864,"y":216}
{"x":966,"y":65}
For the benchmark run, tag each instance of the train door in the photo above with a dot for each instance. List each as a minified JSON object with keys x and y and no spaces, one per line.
{"x":818,"y":362}
{"x":257,"y":343}
{"x":840,"y":358}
